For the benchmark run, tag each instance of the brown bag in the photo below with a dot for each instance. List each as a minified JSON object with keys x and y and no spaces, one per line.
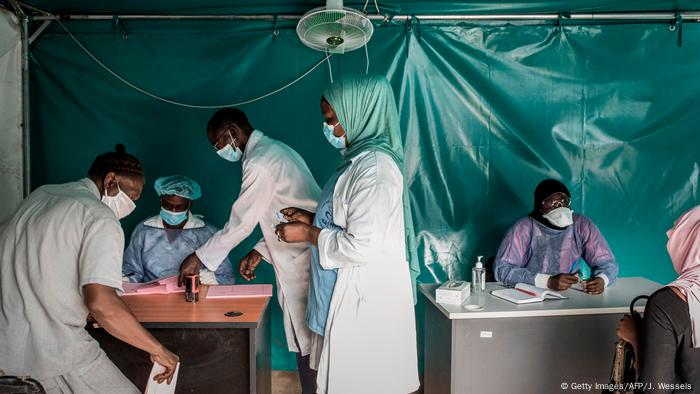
{"x":623,"y":375}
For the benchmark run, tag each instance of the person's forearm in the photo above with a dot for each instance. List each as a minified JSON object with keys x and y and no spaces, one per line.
{"x":116,"y":318}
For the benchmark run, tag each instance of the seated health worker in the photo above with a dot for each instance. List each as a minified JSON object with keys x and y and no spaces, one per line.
{"x":160,"y":243}
{"x":545,"y":248}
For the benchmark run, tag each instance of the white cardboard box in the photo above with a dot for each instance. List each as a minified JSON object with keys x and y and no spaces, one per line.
{"x":453,"y":292}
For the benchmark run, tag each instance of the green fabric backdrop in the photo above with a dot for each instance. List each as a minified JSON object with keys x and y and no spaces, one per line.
{"x":403,"y":6}
{"x":486,"y":111}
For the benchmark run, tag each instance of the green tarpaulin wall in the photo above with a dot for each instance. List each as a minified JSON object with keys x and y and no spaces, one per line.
{"x":487,"y":111}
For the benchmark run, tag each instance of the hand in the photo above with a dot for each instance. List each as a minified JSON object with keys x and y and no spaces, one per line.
{"x":248,"y":264}
{"x":627,"y":330}
{"x":190,"y":266}
{"x":594,"y":286}
{"x":562,"y":281}
{"x":298,"y":215}
{"x":293,"y":232}
{"x":167,"y":359}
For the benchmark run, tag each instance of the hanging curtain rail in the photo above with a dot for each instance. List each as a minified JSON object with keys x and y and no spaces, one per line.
{"x":687,"y":16}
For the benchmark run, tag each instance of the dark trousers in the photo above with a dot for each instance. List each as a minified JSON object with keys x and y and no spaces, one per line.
{"x":307,"y":376}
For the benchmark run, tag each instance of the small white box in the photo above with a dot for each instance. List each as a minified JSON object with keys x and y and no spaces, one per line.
{"x":452,"y":292}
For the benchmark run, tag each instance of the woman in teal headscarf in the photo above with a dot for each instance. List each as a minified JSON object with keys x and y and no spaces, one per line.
{"x":363,"y":267}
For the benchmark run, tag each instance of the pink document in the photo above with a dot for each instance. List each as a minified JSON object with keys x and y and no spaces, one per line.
{"x":236,"y":291}
{"x":160,"y":286}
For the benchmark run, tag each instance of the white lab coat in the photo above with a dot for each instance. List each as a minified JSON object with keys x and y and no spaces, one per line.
{"x":370,"y":338}
{"x":274,"y":177}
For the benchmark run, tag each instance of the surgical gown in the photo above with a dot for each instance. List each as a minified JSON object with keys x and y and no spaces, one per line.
{"x":156,"y":252}
{"x":531,"y":252}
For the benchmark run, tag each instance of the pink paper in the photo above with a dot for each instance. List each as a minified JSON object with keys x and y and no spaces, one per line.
{"x":160,"y":286}
{"x":236,"y":291}
{"x":131,"y":288}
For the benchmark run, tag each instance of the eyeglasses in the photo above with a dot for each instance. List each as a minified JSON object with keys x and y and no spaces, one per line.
{"x":218,"y":141}
{"x":557,"y":203}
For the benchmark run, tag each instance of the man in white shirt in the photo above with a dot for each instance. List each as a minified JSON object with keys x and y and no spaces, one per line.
{"x":60,"y":258}
{"x":274,"y":177}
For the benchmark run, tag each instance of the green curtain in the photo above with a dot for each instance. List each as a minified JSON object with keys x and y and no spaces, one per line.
{"x":404,"y":6}
{"x":486,"y":112}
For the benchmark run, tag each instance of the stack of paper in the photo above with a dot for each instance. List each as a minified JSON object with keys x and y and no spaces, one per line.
{"x":159,"y":286}
{"x":153,"y":387}
{"x":235,"y":291}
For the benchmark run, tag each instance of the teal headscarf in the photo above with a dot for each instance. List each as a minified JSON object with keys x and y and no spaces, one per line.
{"x":366,"y":109}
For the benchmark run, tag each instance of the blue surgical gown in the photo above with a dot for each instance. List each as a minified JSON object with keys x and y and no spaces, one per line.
{"x":321,"y":281}
{"x":155,"y":252}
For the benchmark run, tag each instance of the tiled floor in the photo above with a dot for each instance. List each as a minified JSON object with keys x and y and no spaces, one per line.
{"x":287,"y":382}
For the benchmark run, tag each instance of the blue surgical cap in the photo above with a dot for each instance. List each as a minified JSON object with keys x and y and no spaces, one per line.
{"x":178,"y":185}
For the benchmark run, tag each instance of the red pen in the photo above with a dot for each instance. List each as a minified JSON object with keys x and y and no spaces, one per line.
{"x":527,"y":292}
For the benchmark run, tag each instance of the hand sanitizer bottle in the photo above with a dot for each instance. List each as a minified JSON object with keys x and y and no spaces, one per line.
{"x":479,"y":276}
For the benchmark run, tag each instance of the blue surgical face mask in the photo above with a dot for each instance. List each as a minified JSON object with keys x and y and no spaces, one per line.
{"x":230,"y":153}
{"x":337,"y":142}
{"x":173,"y":218}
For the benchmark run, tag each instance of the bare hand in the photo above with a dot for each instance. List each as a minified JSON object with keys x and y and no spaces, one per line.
{"x":292,"y":232}
{"x":562,"y":281}
{"x":627,"y":330}
{"x":248,"y":264}
{"x":594,"y":286}
{"x":190,"y":266}
{"x":167,"y":359}
{"x":298,"y":215}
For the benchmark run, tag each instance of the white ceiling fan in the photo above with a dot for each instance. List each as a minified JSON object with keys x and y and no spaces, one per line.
{"x":334,"y":28}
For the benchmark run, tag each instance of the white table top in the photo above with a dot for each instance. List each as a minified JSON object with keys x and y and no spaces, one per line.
{"x":616,"y":299}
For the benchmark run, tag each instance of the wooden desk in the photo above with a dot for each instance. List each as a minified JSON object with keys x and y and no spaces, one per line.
{"x":218,"y":354}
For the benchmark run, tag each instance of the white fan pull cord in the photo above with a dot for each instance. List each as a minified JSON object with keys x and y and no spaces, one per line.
{"x":330,"y":68}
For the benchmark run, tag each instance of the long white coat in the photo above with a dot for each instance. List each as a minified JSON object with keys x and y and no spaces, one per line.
{"x":274,"y":177}
{"x":370,"y":339}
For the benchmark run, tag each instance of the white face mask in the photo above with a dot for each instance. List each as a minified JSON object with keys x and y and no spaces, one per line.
{"x":560,"y":217}
{"x":120,"y":204}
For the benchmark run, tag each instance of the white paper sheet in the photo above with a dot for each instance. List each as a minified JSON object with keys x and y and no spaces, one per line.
{"x":153,"y":387}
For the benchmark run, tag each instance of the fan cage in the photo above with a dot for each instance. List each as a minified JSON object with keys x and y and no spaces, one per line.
{"x":334,"y":30}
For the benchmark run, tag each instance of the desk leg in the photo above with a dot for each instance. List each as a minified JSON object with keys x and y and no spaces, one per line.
{"x":260,"y":357}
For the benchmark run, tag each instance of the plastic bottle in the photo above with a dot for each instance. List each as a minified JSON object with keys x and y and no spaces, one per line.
{"x":479,"y":276}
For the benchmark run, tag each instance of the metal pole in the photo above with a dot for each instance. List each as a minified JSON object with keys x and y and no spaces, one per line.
{"x":38,"y":31}
{"x":688,"y":16}
{"x":23,"y":18}
{"x":26,"y":163}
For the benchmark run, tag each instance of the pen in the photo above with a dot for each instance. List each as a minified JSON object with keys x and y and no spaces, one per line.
{"x":527,"y":292}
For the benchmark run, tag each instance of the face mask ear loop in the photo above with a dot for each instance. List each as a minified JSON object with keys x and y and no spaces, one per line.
{"x":104,"y":189}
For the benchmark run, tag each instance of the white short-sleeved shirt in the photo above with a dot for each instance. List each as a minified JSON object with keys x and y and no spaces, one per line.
{"x":61,"y":238}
